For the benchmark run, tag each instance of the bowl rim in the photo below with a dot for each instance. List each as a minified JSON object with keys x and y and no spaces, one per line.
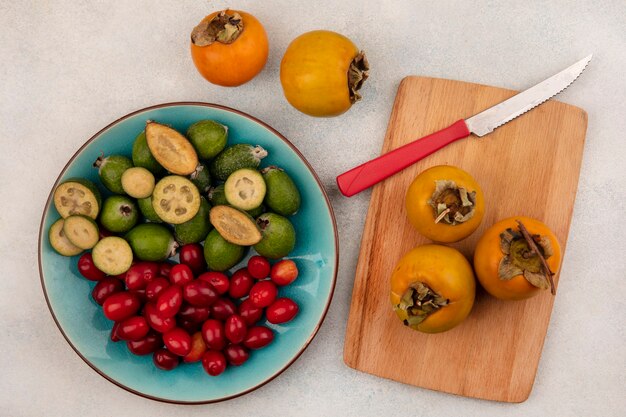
{"x":306,"y":163}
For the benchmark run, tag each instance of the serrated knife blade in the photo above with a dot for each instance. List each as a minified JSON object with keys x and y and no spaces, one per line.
{"x":486,"y":121}
{"x":365,"y":175}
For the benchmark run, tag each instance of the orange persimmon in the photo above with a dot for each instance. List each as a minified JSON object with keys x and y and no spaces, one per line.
{"x":229,"y":47}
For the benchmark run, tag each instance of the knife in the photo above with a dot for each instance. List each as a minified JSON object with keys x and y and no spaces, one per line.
{"x":372,"y":172}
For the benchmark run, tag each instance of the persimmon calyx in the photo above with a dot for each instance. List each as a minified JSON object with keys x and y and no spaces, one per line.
{"x":520,"y":259}
{"x":357,"y":74}
{"x":419,"y":301}
{"x":452,"y":204}
{"x":225,"y":28}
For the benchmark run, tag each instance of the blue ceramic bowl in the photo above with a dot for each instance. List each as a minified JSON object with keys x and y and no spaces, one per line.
{"x":86,"y":329}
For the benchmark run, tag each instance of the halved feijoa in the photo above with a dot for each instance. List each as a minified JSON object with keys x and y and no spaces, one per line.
{"x":151,"y":242}
{"x":59,"y":241}
{"x":201,"y":178}
{"x":208,"y":138}
{"x":171,"y":149}
{"x":196,"y":229}
{"x":236,"y":157}
{"x":220,"y":254}
{"x":282,"y":195}
{"x":142,"y":157}
{"x":175,"y":199}
{"x":138,"y":182}
{"x":235,"y":226}
{"x":217,"y":196}
{"x":245,"y":189}
{"x":112,"y":255}
{"x":82,"y":231}
{"x":110,"y":170}
{"x":119,"y":214}
{"x":279,"y":236}
{"x":77,"y":196}
{"x":145,"y":207}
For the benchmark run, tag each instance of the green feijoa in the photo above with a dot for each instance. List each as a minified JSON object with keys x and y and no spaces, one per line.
{"x":201,"y":178}
{"x":196,"y":229}
{"x":217,"y":196}
{"x":77,"y":196}
{"x":81,"y":230}
{"x":257,"y":211}
{"x":208,"y":137}
{"x":119,"y":214}
{"x":111,"y":169}
{"x":145,"y":206}
{"x":142,"y":157}
{"x":279,"y":236}
{"x":59,"y":241}
{"x":236,"y":157}
{"x":220,"y":254}
{"x":112,"y":255}
{"x":151,"y":242}
{"x":245,"y":189}
{"x":282,"y":195}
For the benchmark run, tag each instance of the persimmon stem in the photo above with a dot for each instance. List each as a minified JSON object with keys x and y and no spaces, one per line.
{"x":534,"y":249}
{"x":442,"y":215}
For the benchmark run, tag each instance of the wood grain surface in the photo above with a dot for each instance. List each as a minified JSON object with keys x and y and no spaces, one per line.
{"x":530,"y":167}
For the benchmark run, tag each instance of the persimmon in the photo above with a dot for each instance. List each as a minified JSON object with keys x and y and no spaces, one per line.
{"x":229,"y":47}
{"x":445,"y":204}
{"x":432,"y":288}
{"x":516,"y":258}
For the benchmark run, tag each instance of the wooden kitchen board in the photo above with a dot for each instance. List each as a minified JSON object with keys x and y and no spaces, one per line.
{"x":529,"y":167}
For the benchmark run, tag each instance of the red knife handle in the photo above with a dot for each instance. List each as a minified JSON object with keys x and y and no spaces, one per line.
{"x":376,"y":170}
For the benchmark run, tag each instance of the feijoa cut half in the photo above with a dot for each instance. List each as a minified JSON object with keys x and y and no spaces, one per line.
{"x":175,"y":199}
{"x":171,"y":149}
{"x":245,"y":189}
{"x":81,"y":230}
{"x":138,"y":182}
{"x":142,"y":157}
{"x":112,"y":255}
{"x":59,"y":241}
{"x":235,"y":226}
{"x":77,"y":196}
{"x":110,"y":170}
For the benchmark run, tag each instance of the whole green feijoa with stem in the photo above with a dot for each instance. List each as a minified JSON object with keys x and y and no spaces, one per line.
{"x":217,"y":196}
{"x":220,"y":254}
{"x":151,"y":242}
{"x":279,"y":236}
{"x":142,"y":157}
{"x":236,"y":157}
{"x":119,"y":214}
{"x":282,"y":195}
{"x":146,"y":208}
{"x":111,"y":169}
{"x":196,"y":229}
{"x":201,"y":178}
{"x":208,"y":137}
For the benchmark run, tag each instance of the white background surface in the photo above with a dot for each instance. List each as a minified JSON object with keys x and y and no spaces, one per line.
{"x":68,"y":68}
